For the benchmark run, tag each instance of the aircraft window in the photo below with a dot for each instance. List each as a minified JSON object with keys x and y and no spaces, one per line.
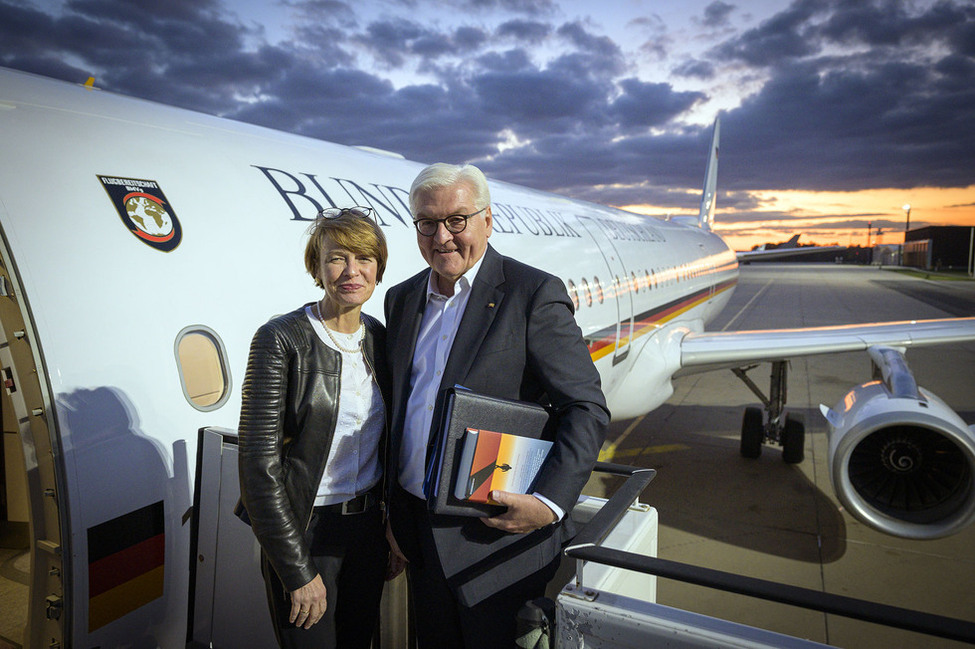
{"x":617,"y":286}
{"x":648,"y":280}
{"x":203,"y":371}
{"x":598,"y":288}
{"x":585,"y":289}
{"x":636,"y":282}
{"x":573,"y":294}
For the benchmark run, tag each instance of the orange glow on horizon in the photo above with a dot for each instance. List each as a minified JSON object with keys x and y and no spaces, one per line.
{"x":835,"y":218}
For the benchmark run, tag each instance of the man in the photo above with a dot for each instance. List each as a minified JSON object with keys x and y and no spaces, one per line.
{"x":501,"y":328}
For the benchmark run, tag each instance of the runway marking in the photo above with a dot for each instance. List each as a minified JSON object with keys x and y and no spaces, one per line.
{"x":610,"y":454}
{"x":610,"y":450}
{"x":747,"y":304}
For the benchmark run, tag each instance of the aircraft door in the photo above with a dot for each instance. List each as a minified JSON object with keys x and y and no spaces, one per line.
{"x":35,"y":484}
{"x":229,"y":601}
{"x":621,"y":288}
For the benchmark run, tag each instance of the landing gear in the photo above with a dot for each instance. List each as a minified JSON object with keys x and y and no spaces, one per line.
{"x":793,"y":439}
{"x":752,"y":433}
{"x":790,"y":435}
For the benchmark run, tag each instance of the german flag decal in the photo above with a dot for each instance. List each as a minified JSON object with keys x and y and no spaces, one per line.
{"x":125,"y":564}
{"x":604,"y":342}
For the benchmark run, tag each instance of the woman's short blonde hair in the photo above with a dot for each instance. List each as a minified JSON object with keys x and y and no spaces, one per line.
{"x":349,"y":228}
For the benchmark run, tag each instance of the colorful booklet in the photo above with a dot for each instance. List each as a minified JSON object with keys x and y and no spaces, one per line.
{"x":503,"y":461}
{"x":458,"y":410}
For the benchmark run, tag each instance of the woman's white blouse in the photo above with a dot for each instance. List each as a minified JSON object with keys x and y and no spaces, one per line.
{"x":353,"y":463}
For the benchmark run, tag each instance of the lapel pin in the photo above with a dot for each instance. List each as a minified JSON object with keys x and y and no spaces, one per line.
{"x":490,"y":305}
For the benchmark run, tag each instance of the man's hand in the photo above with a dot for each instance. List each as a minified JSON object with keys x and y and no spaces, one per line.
{"x":397,"y":561}
{"x":308,"y":603}
{"x":526,"y":513}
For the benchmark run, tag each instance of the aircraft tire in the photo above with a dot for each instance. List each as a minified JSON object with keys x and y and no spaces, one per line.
{"x":752,"y":433}
{"x":793,"y":439}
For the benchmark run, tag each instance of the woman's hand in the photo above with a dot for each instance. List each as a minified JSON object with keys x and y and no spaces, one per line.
{"x":308,"y":603}
{"x":397,"y":561}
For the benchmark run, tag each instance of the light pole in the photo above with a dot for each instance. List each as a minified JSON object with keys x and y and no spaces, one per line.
{"x":907,"y":226}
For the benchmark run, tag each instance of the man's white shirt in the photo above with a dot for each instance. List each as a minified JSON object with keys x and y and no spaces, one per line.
{"x":438,"y":328}
{"x":441,"y":319}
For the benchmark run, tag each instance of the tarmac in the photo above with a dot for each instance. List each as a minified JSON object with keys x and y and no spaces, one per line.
{"x":767,"y":519}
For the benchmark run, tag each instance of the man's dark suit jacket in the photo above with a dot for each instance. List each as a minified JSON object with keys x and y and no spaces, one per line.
{"x":517,"y":340}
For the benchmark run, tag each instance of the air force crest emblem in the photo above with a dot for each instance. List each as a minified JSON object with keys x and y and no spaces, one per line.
{"x":144,"y":210}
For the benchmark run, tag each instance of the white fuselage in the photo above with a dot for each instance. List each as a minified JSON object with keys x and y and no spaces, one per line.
{"x":106,"y":308}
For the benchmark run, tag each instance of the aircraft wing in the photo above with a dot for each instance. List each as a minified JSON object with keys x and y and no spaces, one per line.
{"x":775,"y":253}
{"x":705,"y":351}
{"x":900,"y":458}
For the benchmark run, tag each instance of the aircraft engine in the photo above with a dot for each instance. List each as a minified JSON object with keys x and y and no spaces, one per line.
{"x":900,"y":459}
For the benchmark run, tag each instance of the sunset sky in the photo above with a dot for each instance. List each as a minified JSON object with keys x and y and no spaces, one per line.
{"x":835,"y":113}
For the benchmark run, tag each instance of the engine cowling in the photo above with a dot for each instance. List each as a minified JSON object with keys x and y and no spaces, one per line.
{"x":901,"y":460}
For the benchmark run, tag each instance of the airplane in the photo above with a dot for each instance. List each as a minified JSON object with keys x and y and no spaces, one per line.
{"x":790,"y":248}
{"x":142,"y":245}
{"x":791,"y":243}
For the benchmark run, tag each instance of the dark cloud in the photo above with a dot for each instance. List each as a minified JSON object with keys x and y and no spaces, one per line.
{"x":527,"y":7}
{"x":651,"y":104}
{"x":538,"y":96}
{"x":889,"y":23}
{"x":898,"y":110}
{"x":510,"y":60}
{"x":319,"y":12}
{"x":603,"y":56}
{"x":962,"y":36}
{"x":397,"y":41}
{"x":25,"y":31}
{"x":849,"y":95}
{"x":591,"y":166}
{"x":717,"y":13}
{"x":696,"y":68}
{"x":186,"y":53}
{"x":524,"y":30}
{"x":390,"y":40}
{"x":785,"y":36}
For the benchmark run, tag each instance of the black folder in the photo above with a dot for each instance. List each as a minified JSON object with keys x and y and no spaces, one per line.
{"x":457,"y":410}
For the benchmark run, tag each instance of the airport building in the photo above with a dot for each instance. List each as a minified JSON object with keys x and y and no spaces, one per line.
{"x":939,"y":247}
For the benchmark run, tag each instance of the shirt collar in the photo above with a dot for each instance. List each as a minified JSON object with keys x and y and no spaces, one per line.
{"x":463,"y":283}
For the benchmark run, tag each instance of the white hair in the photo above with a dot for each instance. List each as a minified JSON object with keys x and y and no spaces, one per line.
{"x":440,"y":175}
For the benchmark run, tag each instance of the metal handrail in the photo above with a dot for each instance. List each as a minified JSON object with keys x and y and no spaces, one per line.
{"x":603,"y":522}
{"x":586,"y":548}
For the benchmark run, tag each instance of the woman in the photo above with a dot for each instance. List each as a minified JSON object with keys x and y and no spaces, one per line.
{"x":312,"y":431}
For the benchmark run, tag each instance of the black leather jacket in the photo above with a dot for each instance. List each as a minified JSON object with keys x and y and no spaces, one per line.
{"x":287,"y":420}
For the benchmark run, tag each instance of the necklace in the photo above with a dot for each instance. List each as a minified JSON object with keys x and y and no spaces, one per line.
{"x":356,"y":349}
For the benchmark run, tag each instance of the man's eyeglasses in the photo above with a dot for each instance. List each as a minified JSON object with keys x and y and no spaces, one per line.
{"x":455,"y":223}
{"x":335,"y":212}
